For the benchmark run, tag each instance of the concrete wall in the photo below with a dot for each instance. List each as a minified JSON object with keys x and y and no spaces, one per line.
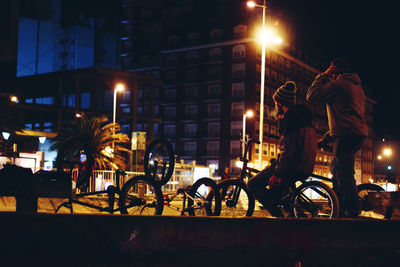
{"x":83,"y":240}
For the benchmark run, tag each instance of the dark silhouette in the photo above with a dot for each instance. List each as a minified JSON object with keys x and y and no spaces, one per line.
{"x":297,"y":146}
{"x":341,"y":91}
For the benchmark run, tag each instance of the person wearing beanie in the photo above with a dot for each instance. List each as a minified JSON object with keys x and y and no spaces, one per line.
{"x":341,"y":91}
{"x":297,"y":150}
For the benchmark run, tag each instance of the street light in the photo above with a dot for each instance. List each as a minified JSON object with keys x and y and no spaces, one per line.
{"x":387,"y":152}
{"x":265,"y":37}
{"x":6,"y":135}
{"x":14,"y":99}
{"x":249,"y":114}
{"x":118,"y":88}
{"x":42,"y":139}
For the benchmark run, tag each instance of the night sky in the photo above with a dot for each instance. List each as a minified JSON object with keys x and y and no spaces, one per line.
{"x":364,"y":33}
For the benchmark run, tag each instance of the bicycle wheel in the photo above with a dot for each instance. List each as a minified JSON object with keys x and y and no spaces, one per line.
{"x":367,"y":207}
{"x":315,"y":199}
{"x":204,"y":198}
{"x":159,"y":161}
{"x":140,"y":196}
{"x":236,"y":200}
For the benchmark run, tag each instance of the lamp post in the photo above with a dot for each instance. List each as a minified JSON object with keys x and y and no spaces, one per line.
{"x":42,"y":139}
{"x":249,"y":114}
{"x":6,"y":135}
{"x":265,"y":36}
{"x":118,"y":88}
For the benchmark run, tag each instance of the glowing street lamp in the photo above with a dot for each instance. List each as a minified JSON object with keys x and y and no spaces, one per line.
{"x":118,"y":88}
{"x":14,"y":99}
{"x":6,"y":135}
{"x":265,"y":37}
{"x":387,"y":152}
{"x":249,"y":114}
{"x":42,"y":139}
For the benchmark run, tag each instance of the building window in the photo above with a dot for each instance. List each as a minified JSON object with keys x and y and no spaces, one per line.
{"x":238,"y":70}
{"x":171,"y":76}
{"x":239,"y":51}
{"x":190,"y":148}
{"x":238,"y":89}
{"x":169,"y":130}
{"x":235,"y":147}
{"x":170,"y":113}
{"x":274,"y":76}
{"x":48,"y":126}
{"x":236,"y":127}
{"x":281,"y":62}
{"x":265,"y":149}
{"x":240,"y":31}
{"x":213,"y":148}
{"x":273,"y":130}
{"x":191,"y":75}
{"x":214,"y":72}
{"x":274,"y":59}
{"x":287,"y":65}
{"x":256,"y":149}
{"x":272,"y":151}
{"x":213,"y":129}
{"x":28,"y":126}
{"x":44,"y":100}
{"x":192,"y":57}
{"x":170,"y":94}
{"x":191,"y":112}
{"x":191,"y":130}
{"x":69,"y":100}
{"x":215,"y":54}
{"x":191,"y":92}
{"x":214,"y":110}
{"x":215,"y":33}
{"x":214,"y":90}
{"x":126,"y":128}
{"x":85,"y":100}
{"x":237,"y":109}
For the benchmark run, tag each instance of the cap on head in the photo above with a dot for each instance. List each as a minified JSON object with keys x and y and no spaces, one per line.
{"x":286,"y":94}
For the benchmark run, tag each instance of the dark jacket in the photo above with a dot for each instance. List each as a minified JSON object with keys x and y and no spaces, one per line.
{"x":298,"y":144}
{"x":345,"y":103}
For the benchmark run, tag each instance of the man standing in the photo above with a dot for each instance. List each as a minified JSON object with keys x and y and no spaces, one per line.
{"x":341,"y":91}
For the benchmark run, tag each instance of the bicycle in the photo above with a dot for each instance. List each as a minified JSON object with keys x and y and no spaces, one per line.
{"x":148,"y":199}
{"x":139,"y":195}
{"x":201,"y":198}
{"x":304,"y":198}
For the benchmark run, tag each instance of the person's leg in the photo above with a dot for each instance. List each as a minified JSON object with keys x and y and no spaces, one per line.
{"x":346,"y":148}
{"x":257,"y":185}
{"x":335,"y":181}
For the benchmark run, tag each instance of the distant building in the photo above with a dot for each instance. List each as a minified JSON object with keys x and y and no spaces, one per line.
{"x":210,"y":65}
{"x":46,"y":100}
{"x":57,"y":35}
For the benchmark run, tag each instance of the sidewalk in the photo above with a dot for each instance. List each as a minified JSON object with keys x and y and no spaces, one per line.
{"x":49,"y":205}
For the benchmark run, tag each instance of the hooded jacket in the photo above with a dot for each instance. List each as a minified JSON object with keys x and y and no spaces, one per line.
{"x":298,"y":144}
{"x":345,"y":103}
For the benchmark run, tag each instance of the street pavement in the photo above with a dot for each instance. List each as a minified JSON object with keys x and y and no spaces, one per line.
{"x":49,"y":205}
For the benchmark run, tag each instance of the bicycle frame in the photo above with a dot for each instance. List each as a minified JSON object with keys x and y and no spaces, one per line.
{"x":110,"y":191}
{"x":186,"y":195}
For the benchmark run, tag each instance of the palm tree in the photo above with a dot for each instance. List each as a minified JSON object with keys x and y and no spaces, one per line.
{"x":94,"y":138}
